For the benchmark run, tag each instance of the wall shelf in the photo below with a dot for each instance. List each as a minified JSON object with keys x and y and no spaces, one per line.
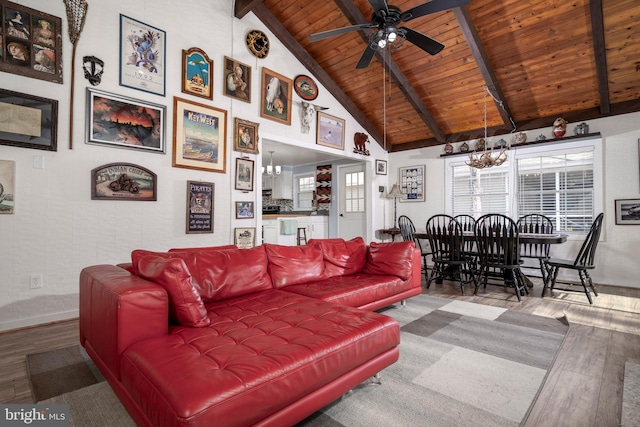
{"x":535,"y":142}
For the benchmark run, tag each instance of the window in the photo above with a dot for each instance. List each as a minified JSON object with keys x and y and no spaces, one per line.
{"x":561,"y":180}
{"x":354,"y":192}
{"x":305,"y":186}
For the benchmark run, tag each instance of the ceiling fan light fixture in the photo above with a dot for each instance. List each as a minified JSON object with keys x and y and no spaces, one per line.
{"x":382,"y":43}
{"x":392,"y":36}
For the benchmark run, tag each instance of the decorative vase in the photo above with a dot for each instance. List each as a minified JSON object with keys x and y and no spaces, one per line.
{"x":464,"y":147}
{"x":448,"y":149}
{"x":559,"y":127}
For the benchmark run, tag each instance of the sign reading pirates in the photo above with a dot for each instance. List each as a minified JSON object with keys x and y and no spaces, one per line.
{"x":359,"y":141}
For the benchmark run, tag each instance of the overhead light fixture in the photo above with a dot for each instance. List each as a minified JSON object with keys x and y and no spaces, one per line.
{"x":390,"y":39}
{"x":271,"y":169}
{"x":395,"y":194}
{"x":485,"y":159}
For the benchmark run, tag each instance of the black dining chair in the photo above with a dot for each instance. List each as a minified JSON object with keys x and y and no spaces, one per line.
{"x":446,"y":240}
{"x":583,"y":262}
{"x":406,"y":230}
{"x":536,"y":224}
{"x":468,"y":223}
{"x":497,"y":243}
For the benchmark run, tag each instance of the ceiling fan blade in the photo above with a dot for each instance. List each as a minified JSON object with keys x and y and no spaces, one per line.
{"x":432,"y":6}
{"x":377,"y":5}
{"x":337,"y":31}
{"x":366,"y":57}
{"x":425,"y":43}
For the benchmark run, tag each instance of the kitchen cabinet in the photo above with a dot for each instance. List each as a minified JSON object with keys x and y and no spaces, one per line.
{"x":316,"y":226}
{"x":270,"y":231}
{"x":281,"y":186}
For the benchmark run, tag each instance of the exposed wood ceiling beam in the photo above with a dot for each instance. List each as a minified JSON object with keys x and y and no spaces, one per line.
{"x":276,"y":27}
{"x":482,"y":59}
{"x":597,"y":30}
{"x":242,"y":7}
{"x":353,"y":14}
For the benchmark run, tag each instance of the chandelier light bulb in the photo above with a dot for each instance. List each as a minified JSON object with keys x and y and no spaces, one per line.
{"x":392,"y":36}
{"x":382,"y":43}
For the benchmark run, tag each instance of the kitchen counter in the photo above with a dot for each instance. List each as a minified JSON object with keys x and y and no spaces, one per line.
{"x":292,"y":215}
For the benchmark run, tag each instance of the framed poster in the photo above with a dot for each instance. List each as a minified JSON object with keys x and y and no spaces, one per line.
{"x":123,"y":181}
{"x":245,"y":136}
{"x":330,"y":131}
{"x":122,"y":122}
{"x":199,"y":136}
{"x":275,"y":98}
{"x":197,"y":73}
{"x":28,"y":121}
{"x":627,"y":211}
{"x":142,"y":56}
{"x":7,"y":186}
{"x":200,"y":197}
{"x":381,"y":167}
{"x":244,"y":210}
{"x":244,"y":174}
{"x":411,"y":180}
{"x":244,"y":238}
{"x":31,"y":42}
{"x":237,"y":80}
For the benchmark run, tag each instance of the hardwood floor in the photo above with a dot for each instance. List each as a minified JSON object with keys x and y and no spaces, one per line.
{"x":584,"y":387}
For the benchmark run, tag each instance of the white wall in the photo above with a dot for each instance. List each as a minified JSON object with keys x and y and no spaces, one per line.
{"x":57,"y":229}
{"x":617,"y":254}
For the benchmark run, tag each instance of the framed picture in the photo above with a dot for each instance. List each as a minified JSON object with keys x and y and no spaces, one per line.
{"x":237,"y":80}
{"x":244,"y":174}
{"x":199,"y":136}
{"x":244,"y":238}
{"x":245,"y":136}
{"x":28,"y":121}
{"x":628,"y":211}
{"x":244,"y":210}
{"x":381,"y":167}
{"x":7,"y":186}
{"x":31,"y":42}
{"x":197,"y":73}
{"x":275,"y":98}
{"x":122,"y":122}
{"x":200,"y":197}
{"x":142,"y":56}
{"x":305,"y":87}
{"x":330,"y":131}
{"x":123,"y":181}
{"x":411,"y":180}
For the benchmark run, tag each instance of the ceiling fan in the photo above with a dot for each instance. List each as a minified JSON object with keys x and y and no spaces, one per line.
{"x":385,"y":20}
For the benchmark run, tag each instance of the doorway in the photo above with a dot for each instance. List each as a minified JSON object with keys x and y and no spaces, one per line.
{"x":352,"y":201}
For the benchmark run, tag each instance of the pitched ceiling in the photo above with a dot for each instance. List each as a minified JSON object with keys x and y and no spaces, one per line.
{"x":539,"y":59}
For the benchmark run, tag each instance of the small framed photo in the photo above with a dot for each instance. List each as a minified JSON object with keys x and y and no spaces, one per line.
{"x":244,"y":238}
{"x":122,"y":122}
{"x":381,"y":167}
{"x":28,"y":121}
{"x":627,"y":211}
{"x":197,"y":73}
{"x":199,"y":136}
{"x":237,"y":80}
{"x":330,"y":131}
{"x":7,"y":186}
{"x":200,"y":197}
{"x":244,"y":210}
{"x":244,"y":174}
{"x":142,"y":56}
{"x":412,"y":183}
{"x":245,"y":136}
{"x":123,"y":181}
{"x":275,"y":99}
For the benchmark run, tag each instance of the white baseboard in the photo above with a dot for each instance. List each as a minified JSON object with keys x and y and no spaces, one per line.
{"x":38,"y":320}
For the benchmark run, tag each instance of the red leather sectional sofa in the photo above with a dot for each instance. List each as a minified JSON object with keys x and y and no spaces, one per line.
{"x":239,"y":337}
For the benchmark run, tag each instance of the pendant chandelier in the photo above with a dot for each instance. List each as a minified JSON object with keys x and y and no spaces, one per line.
{"x":271,"y":169}
{"x":485,"y":159}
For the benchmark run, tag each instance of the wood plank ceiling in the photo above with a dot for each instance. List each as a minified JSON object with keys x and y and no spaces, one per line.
{"x":540,"y":59}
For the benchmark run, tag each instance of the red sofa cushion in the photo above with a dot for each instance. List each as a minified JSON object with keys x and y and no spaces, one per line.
{"x":342,"y":257}
{"x":204,"y":249}
{"x":291,"y":265}
{"x":395,"y":258}
{"x":185,"y":304}
{"x":139,"y":253}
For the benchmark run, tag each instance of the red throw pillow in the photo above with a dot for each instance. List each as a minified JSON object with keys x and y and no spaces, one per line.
{"x":395,"y":258}
{"x":185,"y":304}
{"x":342,"y":258}
{"x":292,"y":265}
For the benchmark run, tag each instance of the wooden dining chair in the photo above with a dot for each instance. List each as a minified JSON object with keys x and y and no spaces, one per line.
{"x":406,"y":230}
{"x":536,"y":224}
{"x":468,"y":223}
{"x":498,"y":246}
{"x":584,"y":261}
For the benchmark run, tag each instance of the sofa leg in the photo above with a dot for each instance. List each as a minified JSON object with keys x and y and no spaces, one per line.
{"x":403,"y":303}
{"x":377,"y":379}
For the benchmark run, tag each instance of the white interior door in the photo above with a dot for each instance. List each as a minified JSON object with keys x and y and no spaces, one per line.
{"x":352,"y":203}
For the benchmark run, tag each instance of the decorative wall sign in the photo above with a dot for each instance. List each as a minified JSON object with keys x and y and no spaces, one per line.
{"x":412,"y":183}
{"x":118,"y":121}
{"x":237,"y":80}
{"x":323,"y":184}
{"x":199,"y":136}
{"x":200,"y":203}
{"x":197,"y":73}
{"x":244,"y":174}
{"x":245,"y":136}
{"x":244,"y":210}
{"x":628,"y":211}
{"x":275,"y":98}
{"x":142,"y":56}
{"x":245,"y":238}
{"x":7,"y":186}
{"x":258,"y":43}
{"x":305,"y":87}
{"x":123,"y":181}
{"x":330,"y":131}
{"x":31,"y":42}
{"x":360,"y":141}
{"x":28,"y":121}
